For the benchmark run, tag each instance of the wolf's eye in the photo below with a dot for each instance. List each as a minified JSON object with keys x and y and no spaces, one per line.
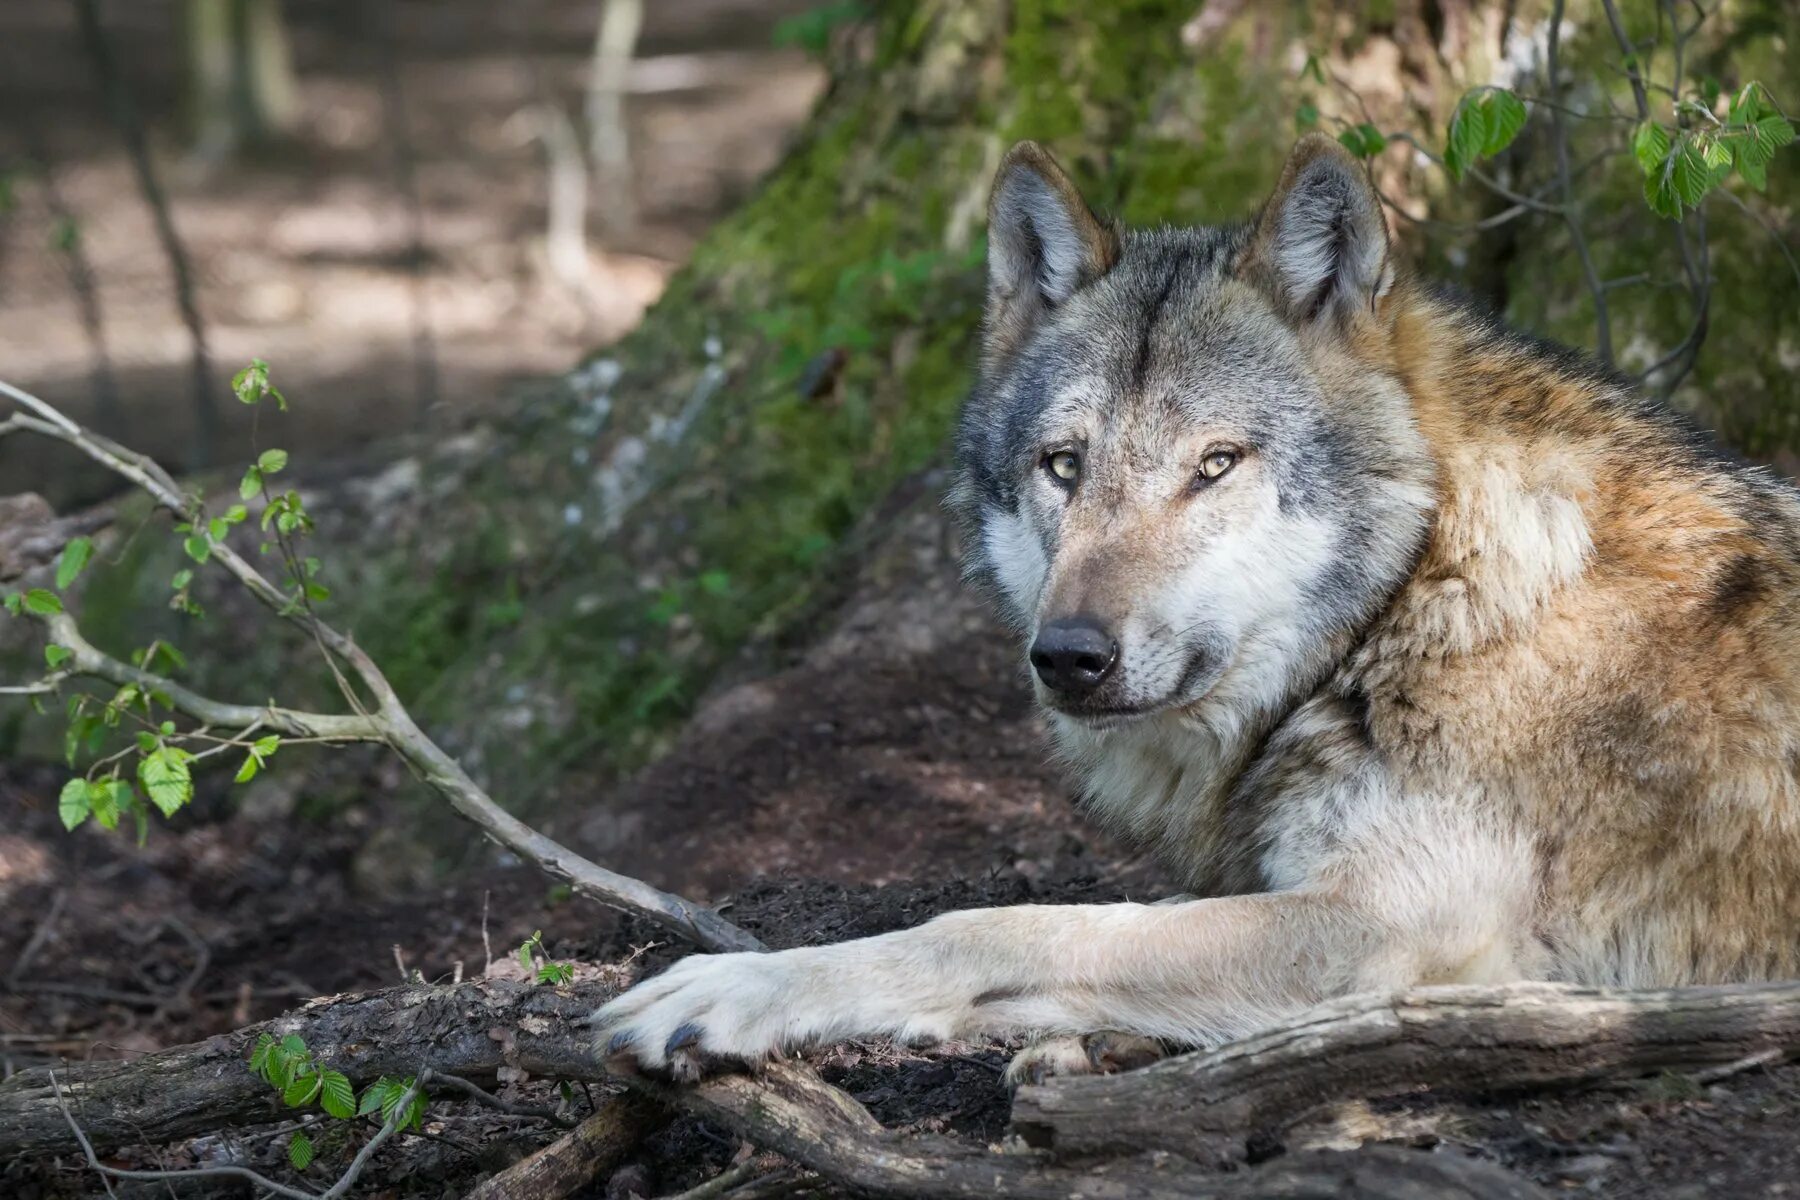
{"x":1216,"y":464}
{"x":1065,"y":465}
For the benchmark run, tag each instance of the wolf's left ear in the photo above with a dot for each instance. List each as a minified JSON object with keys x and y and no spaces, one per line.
{"x":1043,"y":244}
{"x":1321,"y":247}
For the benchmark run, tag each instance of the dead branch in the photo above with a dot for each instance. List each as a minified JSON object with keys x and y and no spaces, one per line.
{"x":386,"y":722}
{"x":1448,"y":1039}
{"x":587,"y":1152}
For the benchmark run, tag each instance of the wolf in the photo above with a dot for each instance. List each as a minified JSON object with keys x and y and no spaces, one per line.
{"x":1423,"y":651}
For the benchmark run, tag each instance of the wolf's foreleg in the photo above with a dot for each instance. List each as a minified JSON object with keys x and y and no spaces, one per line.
{"x":1192,"y":973}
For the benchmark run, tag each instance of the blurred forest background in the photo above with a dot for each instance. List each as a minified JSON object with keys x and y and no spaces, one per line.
{"x":622,"y":341}
{"x":370,"y":195}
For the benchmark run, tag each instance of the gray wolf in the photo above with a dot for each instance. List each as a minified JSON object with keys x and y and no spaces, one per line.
{"x":1427,"y":653}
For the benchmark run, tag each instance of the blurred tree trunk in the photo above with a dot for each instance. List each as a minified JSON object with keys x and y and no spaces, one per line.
{"x":241,"y":87}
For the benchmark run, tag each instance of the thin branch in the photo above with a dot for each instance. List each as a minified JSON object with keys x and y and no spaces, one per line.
{"x":1767,"y":225}
{"x":131,"y":128}
{"x":1639,"y":85}
{"x":389,"y":723}
{"x":482,"y":1096}
{"x":227,"y":1172}
{"x":1603,"y":348}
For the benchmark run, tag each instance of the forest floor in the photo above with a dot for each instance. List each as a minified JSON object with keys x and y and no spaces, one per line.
{"x":891,"y":771}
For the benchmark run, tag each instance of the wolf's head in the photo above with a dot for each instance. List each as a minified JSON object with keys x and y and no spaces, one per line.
{"x":1187,"y":467}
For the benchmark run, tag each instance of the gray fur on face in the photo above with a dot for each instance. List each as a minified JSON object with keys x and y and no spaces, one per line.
{"x":1142,"y":371}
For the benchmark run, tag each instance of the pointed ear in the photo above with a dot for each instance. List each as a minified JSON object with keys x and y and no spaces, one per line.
{"x":1043,"y":244}
{"x":1320,"y":248}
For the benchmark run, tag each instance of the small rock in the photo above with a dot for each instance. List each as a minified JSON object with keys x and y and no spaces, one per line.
{"x":1585,"y":1166}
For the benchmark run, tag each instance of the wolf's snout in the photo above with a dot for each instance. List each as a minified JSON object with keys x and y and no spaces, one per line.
{"x":1074,"y":654}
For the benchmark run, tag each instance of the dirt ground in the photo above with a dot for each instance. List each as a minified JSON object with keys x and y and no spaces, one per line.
{"x":891,"y":771}
{"x":303,"y":254}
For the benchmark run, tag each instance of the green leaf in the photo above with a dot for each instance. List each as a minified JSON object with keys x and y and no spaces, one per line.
{"x":265,"y":746}
{"x":415,"y":1112}
{"x":182,"y":578}
{"x":1505,"y":116}
{"x":236,"y":513}
{"x":271,"y":461}
{"x":1692,"y":176}
{"x":374,"y":1096}
{"x":55,"y":656}
{"x":75,"y":556}
{"x":1363,"y":141}
{"x":1650,"y":145}
{"x":1467,"y":136}
{"x":14,"y":603}
{"x":302,"y":1087}
{"x":252,"y":485}
{"x":72,"y":805}
{"x":218,"y":527}
{"x":42,"y":603}
{"x":1306,"y":116}
{"x":300,"y":1150}
{"x":105,"y":803}
{"x":167,"y":779}
{"x":259,"y":1053}
{"x":197,"y":547}
{"x":1660,"y":194}
{"x":247,"y":772}
{"x":252,"y":382}
{"x":390,"y":1100}
{"x":336,"y":1096}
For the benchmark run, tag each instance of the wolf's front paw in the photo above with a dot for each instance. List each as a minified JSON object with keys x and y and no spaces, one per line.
{"x":1104,"y":1053}
{"x":704,"y":1010}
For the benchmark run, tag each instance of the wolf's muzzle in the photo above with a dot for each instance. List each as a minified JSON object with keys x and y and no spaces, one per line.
{"x":1074,"y":655}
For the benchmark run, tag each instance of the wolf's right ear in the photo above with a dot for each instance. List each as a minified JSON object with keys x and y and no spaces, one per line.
{"x":1320,"y":249}
{"x":1043,"y":244}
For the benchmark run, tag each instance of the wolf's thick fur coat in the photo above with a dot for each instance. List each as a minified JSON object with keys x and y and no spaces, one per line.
{"x":1474,"y":665}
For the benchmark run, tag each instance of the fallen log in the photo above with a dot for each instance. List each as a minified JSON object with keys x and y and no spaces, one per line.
{"x":470,"y":1030}
{"x":1455,"y":1040}
{"x":788,"y":1109}
{"x":1161,"y":1131}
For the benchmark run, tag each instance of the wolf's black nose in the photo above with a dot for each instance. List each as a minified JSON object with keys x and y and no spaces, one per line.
{"x":1074,"y":654}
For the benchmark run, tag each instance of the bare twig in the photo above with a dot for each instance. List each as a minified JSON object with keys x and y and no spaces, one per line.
{"x":386,"y":722}
{"x":39,"y":936}
{"x":336,"y":1190}
{"x":482,"y":1096}
{"x":131,"y":129}
{"x":1571,"y":212}
{"x":389,"y":64}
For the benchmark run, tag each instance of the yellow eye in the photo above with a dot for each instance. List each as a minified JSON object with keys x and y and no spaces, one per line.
{"x":1217,"y":463}
{"x":1065,"y":465}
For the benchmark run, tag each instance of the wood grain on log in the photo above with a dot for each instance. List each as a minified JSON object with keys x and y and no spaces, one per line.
{"x":577,"y":1158}
{"x":1457,"y":1040}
